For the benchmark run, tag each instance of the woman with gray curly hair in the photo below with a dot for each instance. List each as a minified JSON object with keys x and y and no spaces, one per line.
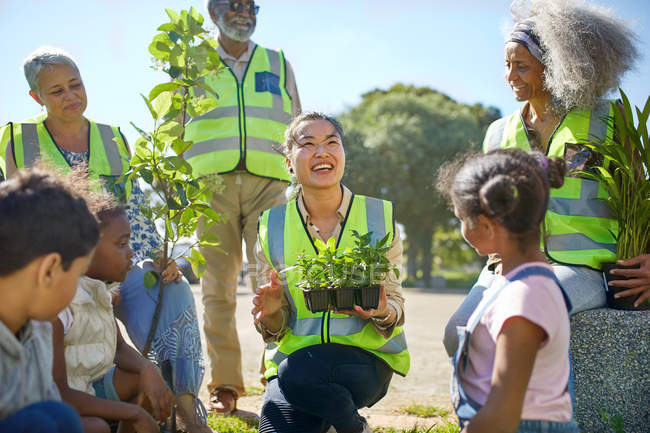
{"x":562,"y":57}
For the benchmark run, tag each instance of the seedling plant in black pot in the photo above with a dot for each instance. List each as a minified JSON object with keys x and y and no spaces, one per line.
{"x":339,"y":279}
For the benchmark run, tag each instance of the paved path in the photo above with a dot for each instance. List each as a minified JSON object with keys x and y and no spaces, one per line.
{"x":427,"y":382}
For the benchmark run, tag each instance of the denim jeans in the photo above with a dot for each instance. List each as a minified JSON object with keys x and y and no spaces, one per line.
{"x":43,"y":417}
{"x":176,"y":346}
{"x":534,"y":426}
{"x":584,"y":287}
{"x":323,"y":385}
{"x":461,"y":315}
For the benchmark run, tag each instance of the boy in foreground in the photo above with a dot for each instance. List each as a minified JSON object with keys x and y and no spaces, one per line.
{"x":47,"y":236}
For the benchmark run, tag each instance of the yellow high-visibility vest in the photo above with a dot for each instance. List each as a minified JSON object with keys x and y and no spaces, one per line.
{"x":249,"y":123}
{"x":580,"y":229}
{"x":108,"y":155}
{"x":283,"y":238}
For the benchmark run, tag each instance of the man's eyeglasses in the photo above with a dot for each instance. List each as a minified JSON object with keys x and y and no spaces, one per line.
{"x":238,"y":7}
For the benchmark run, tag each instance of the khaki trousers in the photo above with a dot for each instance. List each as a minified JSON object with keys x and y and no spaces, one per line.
{"x":244,"y":197}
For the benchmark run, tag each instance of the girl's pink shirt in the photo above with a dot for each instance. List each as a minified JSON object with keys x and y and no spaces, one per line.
{"x":539,"y":300}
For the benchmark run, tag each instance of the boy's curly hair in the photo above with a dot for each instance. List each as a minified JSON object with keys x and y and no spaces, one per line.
{"x":41,"y":213}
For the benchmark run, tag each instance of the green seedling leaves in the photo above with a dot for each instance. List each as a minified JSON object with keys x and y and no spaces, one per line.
{"x":150,"y":279}
{"x":162,"y":103}
{"x":210,"y":239}
{"x":169,"y":131}
{"x":184,"y":50}
{"x":200,"y":106}
{"x":320,"y":245}
{"x":332,"y":267}
{"x":146,"y":175}
{"x":174,"y":71}
{"x":160,"y":47}
{"x":163,"y":87}
{"x":174,"y":36}
{"x":151,"y":109}
{"x":173,"y":16}
{"x":198,"y":262}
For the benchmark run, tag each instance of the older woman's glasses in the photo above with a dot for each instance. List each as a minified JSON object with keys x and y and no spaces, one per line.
{"x":238,"y":7}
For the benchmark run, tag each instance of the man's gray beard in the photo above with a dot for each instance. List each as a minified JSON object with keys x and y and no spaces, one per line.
{"x":234,"y":33}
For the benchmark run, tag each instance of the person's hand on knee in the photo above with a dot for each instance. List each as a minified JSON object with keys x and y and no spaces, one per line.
{"x":638,"y":279}
{"x":155,"y":391}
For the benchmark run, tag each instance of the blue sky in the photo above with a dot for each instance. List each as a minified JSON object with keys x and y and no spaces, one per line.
{"x":339,"y":49}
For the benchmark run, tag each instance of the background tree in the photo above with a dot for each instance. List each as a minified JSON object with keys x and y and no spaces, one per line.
{"x":397,"y":139}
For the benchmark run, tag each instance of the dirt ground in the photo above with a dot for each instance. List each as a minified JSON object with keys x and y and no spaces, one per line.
{"x":427,"y":382}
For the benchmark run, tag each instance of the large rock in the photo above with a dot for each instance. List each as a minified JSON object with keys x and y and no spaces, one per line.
{"x":611,"y":361}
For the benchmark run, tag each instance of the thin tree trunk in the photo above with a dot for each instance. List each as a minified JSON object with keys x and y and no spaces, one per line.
{"x":427,"y":255}
{"x":411,"y":256}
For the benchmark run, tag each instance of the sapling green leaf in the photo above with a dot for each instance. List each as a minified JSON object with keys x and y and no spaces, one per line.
{"x":173,"y":15}
{"x":174,"y":71}
{"x":150,"y":279}
{"x":169,"y":131}
{"x":162,"y":103}
{"x":151,"y":109}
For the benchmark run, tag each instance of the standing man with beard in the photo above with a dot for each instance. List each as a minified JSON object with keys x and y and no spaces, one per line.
{"x":257,"y":98}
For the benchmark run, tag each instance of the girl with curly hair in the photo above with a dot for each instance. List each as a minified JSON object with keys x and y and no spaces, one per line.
{"x":511,"y":370}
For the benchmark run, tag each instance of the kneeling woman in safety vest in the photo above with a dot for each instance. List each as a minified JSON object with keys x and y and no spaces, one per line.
{"x":322,"y":367}
{"x":511,"y":369}
{"x":64,"y":138}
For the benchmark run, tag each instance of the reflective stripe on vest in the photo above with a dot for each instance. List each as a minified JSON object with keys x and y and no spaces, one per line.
{"x":5,"y":138}
{"x":580,"y":227}
{"x":249,"y":122}
{"x":108,"y":156}
{"x":283,"y":238}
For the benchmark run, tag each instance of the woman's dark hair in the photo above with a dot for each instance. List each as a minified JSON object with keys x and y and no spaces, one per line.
{"x":292,"y":131}
{"x":40,"y":213}
{"x":508,"y":185}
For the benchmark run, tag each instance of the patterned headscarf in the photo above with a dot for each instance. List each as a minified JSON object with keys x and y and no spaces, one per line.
{"x":522,"y":33}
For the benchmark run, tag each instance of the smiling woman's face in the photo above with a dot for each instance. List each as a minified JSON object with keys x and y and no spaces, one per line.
{"x":524,"y":73}
{"x":318,"y":158}
{"x":61,"y":91}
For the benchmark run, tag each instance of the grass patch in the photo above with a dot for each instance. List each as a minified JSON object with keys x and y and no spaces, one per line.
{"x":447,"y":427}
{"x":425,"y":411}
{"x":254,"y":390}
{"x":232,"y":424}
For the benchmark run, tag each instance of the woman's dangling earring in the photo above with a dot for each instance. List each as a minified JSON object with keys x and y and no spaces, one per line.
{"x":292,"y":190}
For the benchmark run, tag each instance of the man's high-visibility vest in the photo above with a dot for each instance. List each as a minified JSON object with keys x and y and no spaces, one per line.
{"x":249,"y":123}
{"x":283,"y":238}
{"x":108,"y":155}
{"x":580,"y":229}
{"x":5,"y":132}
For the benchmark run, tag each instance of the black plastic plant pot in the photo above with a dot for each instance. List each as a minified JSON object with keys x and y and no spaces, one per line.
{"x":627,"y":302}
{"x":345,"y":298}
{"x":317,"y":301}
{"x":369,"y":297}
